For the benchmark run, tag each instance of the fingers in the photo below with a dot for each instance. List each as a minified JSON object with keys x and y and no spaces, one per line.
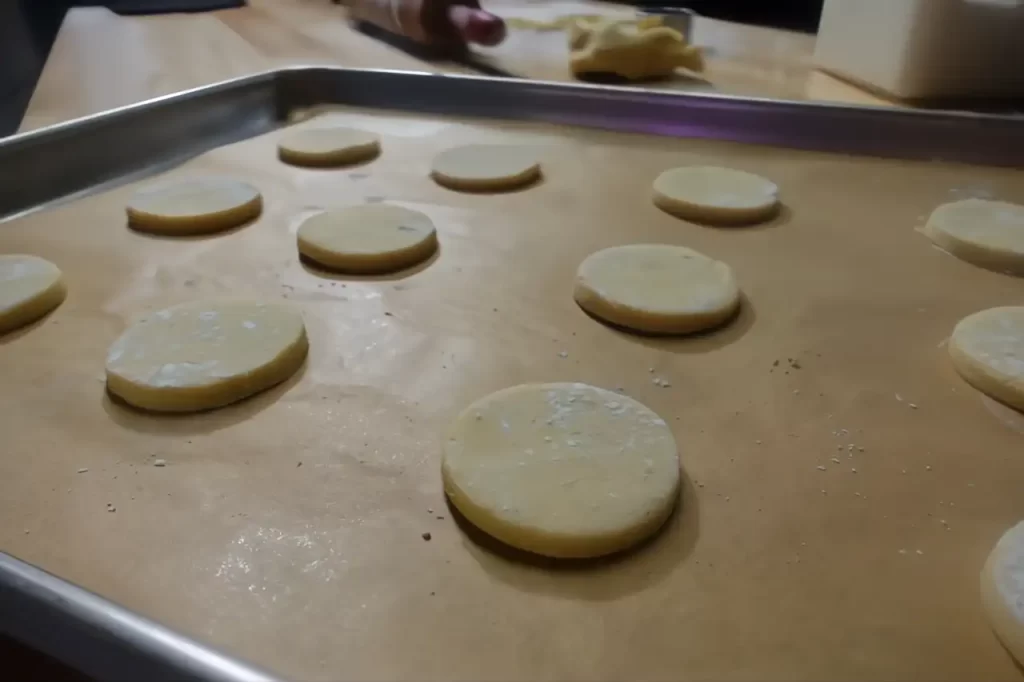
{"x":475,"y":25}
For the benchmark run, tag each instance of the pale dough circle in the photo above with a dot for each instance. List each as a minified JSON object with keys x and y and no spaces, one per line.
{"x":657,"y":288}
{"x":372,"y":238}
{"x":205,"y":354}
{"x":563,"y":470}
{"x":327,"y":146}
{"x":716,"y":195}
{"x":485,"y":167}
{"x":1002,"y":590}
{"x":30,"y":287}
{"x":194,"y":206}
{"x":989,"y":234}
{"x":987,"y":349}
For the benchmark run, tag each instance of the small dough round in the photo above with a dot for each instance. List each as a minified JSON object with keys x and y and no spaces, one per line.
{"x":1002,"y":590}
{"x":987,"y":349}
{"x":30,"y":287}
{"x":716,"y":195}
{"x":205,"y":354}
{"x":328,"y":146}
{"x":367,"y":239}
{"x":657,"y":288}
{"x":563,"y":470}
{"x":194,"y":206}
{"x":485,"y":167}
{"x":989,"y":234}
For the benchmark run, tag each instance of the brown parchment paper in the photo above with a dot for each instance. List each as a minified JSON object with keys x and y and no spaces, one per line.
{"x":288,"y":529}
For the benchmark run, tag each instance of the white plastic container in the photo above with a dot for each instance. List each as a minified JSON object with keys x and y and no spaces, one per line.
{"x":925,"y":49}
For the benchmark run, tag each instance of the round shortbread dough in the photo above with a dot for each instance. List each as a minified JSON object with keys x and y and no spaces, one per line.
{"x":989,"y":234}
{"x":194,"y":206}
{"x":716,"y":195}
{"x":202,"y":354}
{"x":485,"y":167}
{"x":657,"y":288}
{"x":987,"y":349}
{"x":30,"y":287}
{"x":328,"y":146}
{"x":372,"y":238}
{"x":563,"y":470}
{"x":1002,"y":590}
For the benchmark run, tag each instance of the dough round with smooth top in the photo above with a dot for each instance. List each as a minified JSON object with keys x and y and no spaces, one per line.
{"x":327,"y":146}
{"x":205,"y":354}
{"x":989,"y":234}
{"x":563,"y":470}
{"x":194,"y":206}
{"x":716,"y":195}
{"x":1002,"y":590}
{"x":486,"y":167}
{"x":987,"y":349}
{"x":30,"y":287}
{"x":373,"y":238}
{"x":657,"y":288}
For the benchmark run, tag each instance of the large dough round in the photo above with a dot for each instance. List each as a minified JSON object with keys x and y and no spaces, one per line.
{"x":1002,"y":590}
{"x":716,"y":195}
{"x":987,"y":349}
{"x":202,"y":354}
{"x":986,"y":233}
{"x":563,"y":470}
{"x":30,"y":287}
{"x":373,"y":238}
{"x":194,"y":206}
{"x":485,"y":167}
{"x":657,"y":288}
{"x":327,"y":146}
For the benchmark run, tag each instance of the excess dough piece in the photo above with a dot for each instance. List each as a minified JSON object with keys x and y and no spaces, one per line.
{"x":657,"y":288}
{"x":989,"y":234}
{"x":373,"y":238}
{"x":635,"y":50}
{"x":194,"y":206}
{"x":201,"y":355}
{"x":1002,"y":590}
{"x":987,"y":349}
{"x":30,"y":287}
{"x":716,"y":195}
{"x":485,"y":167}
{"x":562,"y":470}
{"x":328,"y":146}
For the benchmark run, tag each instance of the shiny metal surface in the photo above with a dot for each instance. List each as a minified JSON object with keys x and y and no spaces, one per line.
{"x":85,"y":155}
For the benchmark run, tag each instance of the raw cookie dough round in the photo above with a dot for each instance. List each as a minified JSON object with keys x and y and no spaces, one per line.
{"x":989,"y":234}
{"x":987,"y":349}
{"x":372,"y":238}
{"x":563,"y":470}
{"x":194,"y":206}
{"x":327,"y":146}
{"x":30,"y":287}
{"x":1002,"y":590}
{"x":657,"y":288}
{"x":716,"y":195}
{"x":205,"y":354}
{"x":485,"y":167}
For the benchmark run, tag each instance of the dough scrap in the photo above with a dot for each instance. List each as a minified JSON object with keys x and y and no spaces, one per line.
{"x":564,"y":470}
{"x":485,"y":167}
{"x":631,"y":49}
{"x":1002,"y":590}
{"x":716,"y":195}
{"x":987,"y":349}
{"x":657,"y":288}
{"x":194,"y":206}
{"x":372,"y":238}
{"x":30,"y":287}
{"x":989,"y":234}
{"x":323,"y":147}
{"x":205,"y":354}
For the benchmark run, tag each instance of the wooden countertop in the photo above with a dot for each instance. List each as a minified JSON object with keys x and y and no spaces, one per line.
{"x":102,"y":60}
